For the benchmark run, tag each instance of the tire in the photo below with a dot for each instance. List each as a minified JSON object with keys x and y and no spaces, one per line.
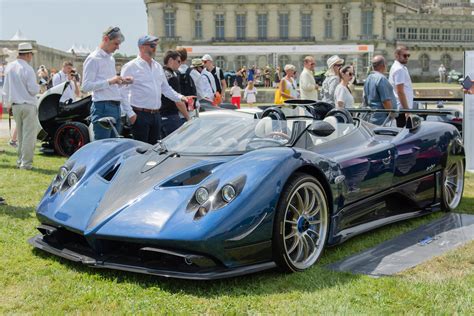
{"x":300,"y":233}
{"x":452,"y":185}
{"x":69,"y":137}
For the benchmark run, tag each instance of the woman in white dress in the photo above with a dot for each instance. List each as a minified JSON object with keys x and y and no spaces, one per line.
{"x":343,"y":95}
{"x":250,"y":93}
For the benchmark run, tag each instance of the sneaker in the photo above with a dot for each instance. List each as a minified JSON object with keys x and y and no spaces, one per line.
{"x":2,"y":201}
{"x":13,"y":143}
{"x":26,"y":167}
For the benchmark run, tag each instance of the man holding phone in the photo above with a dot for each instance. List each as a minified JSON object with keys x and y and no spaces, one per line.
{"x":142,"y":99}
{"x":100,"y":78}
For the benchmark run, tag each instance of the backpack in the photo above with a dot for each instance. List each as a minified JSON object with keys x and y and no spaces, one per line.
{"x":187,"y":83}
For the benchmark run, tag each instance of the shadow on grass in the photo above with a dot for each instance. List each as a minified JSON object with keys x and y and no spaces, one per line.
{"x":35,"y":169}
{"x":17,"y":211}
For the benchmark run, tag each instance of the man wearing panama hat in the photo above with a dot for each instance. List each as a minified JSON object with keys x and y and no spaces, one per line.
{"x":20,"y":90}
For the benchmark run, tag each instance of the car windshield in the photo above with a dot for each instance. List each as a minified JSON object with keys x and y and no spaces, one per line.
{"x":215,"y":134}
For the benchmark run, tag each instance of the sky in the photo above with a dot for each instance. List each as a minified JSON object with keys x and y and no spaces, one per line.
{"x":61,"y":23}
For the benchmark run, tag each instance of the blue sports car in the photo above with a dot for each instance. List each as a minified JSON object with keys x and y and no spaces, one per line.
{"x":232,"y":192}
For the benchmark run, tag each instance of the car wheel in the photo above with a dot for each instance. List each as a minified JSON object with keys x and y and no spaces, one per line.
{"x":69,"y":137}
{"x":453,"y":186}
{"x":301,"y":224}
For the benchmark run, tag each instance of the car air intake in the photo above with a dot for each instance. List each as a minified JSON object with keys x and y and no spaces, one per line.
{"x":110,"y":173}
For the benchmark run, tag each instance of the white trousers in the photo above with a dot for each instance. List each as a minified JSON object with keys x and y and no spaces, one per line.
{"x":26,"y":119}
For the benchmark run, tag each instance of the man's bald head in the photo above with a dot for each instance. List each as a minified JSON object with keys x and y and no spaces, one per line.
{"x":378,"y":63}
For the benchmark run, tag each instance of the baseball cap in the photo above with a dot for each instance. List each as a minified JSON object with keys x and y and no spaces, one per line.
{"x":206,"y":57}
{"x":147,"y":39}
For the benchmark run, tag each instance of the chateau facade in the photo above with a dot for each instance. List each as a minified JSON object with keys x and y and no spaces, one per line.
{"x":435,"y":31}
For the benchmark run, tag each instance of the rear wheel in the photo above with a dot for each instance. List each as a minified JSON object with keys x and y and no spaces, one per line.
{"x":452,"y":186}
{"x":69,"y":137}
{"x":301,"y":224}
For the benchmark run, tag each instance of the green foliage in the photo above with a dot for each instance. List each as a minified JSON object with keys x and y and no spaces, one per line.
{"x":35,"y":282}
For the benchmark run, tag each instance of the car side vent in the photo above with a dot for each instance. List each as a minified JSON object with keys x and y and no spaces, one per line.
{"x":110,"y":173}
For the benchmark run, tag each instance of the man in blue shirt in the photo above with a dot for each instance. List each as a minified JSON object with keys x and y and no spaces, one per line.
{"x":378,"y":92}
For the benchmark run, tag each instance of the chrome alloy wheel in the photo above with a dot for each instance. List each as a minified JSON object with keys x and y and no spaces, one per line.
{"x":305,"y":225}
{"x":453,"y":184}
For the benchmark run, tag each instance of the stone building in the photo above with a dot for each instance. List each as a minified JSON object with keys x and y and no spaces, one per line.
{"x":436,"y":31}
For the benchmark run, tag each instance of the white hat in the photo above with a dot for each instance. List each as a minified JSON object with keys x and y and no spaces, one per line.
{"x":333,"y":60}
{"x":206,"y":57}
{"x":24,"y":48}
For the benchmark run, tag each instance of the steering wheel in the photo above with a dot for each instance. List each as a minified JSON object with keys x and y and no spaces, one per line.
{"x":274,"y":113}
{"x":278,"y":134}
{"x":342,"y":115}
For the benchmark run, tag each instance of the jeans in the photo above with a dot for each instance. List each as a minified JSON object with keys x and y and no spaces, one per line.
{"x":102,"y":109}
{"x":171,"y":123}
{"x":147,"y":127}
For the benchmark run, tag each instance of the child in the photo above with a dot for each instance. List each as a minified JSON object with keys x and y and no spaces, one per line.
{"x":250,"y":93}
{"x":235,"y":93}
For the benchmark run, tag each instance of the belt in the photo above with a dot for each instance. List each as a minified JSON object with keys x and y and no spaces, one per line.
{"x":113,"y":102}
{"x":145,"y":110}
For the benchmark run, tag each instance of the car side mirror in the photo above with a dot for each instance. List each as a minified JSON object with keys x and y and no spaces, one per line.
{"x":321,"y":128}
{"x":413,"y":123}
{"x":108,"y":122}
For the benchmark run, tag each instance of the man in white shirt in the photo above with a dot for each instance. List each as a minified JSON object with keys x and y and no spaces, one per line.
{"x":197,"y":66}
{"x":142,"y":98}
{"x":308,"y":86}
{"x":208,"y":84}
{"x":72,"y":90}
{"x":20,"y":90}
{"x":101,"y":79}
{"x":400,"y":79}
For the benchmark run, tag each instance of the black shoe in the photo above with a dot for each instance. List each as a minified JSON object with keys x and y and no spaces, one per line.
{"x":2,"y":201}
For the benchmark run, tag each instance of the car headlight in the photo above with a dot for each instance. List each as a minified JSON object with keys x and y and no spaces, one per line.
{"x":201,"y":195}
{"x":228,"y":193}
{"x":72,"y":179}
{"x":63,"y":171}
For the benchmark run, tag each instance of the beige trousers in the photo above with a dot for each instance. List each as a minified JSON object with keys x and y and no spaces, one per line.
{"x":26,"y":119}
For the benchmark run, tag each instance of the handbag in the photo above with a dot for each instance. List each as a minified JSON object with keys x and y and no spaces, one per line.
{"x":217,"y":99}
{"x":278,"y":99}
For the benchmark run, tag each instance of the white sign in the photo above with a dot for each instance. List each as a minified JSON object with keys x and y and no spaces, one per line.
{"x":468,"y":120}
{"x":280,"y":49}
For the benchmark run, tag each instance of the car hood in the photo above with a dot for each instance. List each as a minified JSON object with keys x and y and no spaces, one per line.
{"x":128,"y":183}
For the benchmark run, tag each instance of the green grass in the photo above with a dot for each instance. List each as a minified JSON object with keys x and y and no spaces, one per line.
{"x":34,"y":282}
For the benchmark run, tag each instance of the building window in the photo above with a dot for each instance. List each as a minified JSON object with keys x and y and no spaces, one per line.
{"x":446,"y":35}
{"x":425,"y":62}
{"x":170,"y":18}
{"x":367,"y":23}
{"x":345,"y":25}
{"x":220,"y":62}
{"x":327,"y":28}
{"x":424,"y":34}
{"x":283,"y":60}
{"x":262,"y":26}
{"x":197,"y":6}
{"x":283,"y":21}
{"x":434,"y":34}
{"x":328,"y":6}
{"x":220,"y":30}
{"x":197,"y":29}
{"x":306,"y":25}
{"x":468,"y":35}
{"x":457,"y":35}
{"x":446,"y":61}
{"x":401,"y":33}
{"x":240,"y":61}
{"x":412,"y":33}
{"x":240,"y":26}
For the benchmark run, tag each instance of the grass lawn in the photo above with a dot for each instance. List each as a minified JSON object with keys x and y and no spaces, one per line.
{"x":35,"y":282}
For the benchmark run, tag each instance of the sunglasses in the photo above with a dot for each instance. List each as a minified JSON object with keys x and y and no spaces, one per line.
{"x":350,"y":74}
{"x":152,"y":45}
{"x":338,"y":65}
{"x":113,"y":30}
{"x":406,"y":55}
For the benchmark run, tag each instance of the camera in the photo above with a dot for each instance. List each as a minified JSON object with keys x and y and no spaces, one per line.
{"x":75,"y":75}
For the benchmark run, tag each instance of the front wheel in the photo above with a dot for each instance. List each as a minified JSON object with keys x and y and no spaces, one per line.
{"x":453,"y":186}
{"x":301,"y":224}
{"x":69,"y":137}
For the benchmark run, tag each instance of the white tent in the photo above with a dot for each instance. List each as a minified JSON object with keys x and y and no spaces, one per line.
{"x":19,"y":36}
